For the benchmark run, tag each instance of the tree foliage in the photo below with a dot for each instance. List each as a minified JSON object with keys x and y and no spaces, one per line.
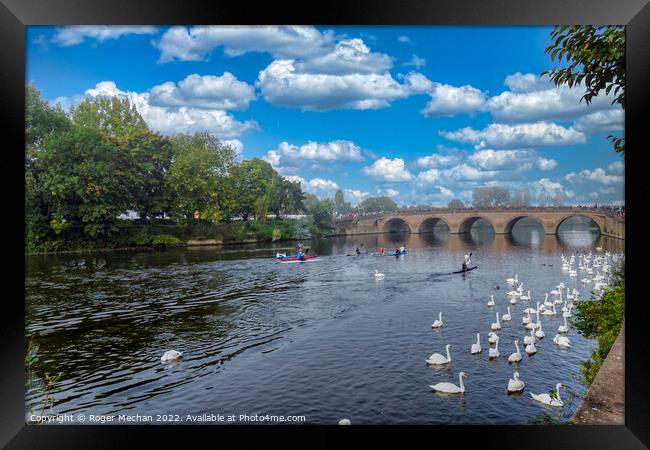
{"x":456,"y":204}
{"x":596,"y":60}
{"x":491,"y":197}
{"x":377,"y":204}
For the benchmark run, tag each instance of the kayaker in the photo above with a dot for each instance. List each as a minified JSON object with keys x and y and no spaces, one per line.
{"x":402,"y":249}
{"x":381,"y":251}
{"x":358,"y":252}
{"x":466,"y":260}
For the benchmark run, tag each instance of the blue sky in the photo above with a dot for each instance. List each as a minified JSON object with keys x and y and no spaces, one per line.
{"x":421,"y":114}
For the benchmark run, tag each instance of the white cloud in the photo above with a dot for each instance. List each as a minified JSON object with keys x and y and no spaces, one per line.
{"x":438,"y":160}
{"x":180,"y":120}
{"x":520,"y":82}
{"x":416,"y":62}
{"x":610,"y":120}
{"x":207,"y":92}
{"x":616,"y":166}
{"x":388,"y":170}
{"x":501,"y":159}
{"x":449,"y":100}
{"x":318,"y":186}
{"x":549,"y":185}
{"x":355,"y":196}
{"x":546,"y":164}
{"x":289,"y":155}
{"x":196,"y":43}
{"x":597,"y":175}
{"x":404,"y":39}
{"x":464,"y":172}
{"x":282,"y":84}
{"x":517,"y":135}
{"x":236,"y":145}
{"x":73,"y":35}
{"x":429,"y":176}
{"x":349,"y":56}
{"x":392,"y":192}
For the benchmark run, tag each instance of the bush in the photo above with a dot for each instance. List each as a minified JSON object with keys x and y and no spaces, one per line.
{"x":165,"y":240}
{"x":277,"y":234}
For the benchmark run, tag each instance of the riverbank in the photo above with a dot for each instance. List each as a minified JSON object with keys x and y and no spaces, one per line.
{"x":604,"y":403}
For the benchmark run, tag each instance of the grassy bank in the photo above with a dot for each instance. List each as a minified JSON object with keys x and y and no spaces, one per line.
{"x":602,"y":320}
{"x":130,"y":234}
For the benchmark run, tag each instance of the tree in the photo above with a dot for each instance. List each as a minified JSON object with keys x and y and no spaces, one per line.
{"x":112,"y":116}
{"x":285,"y":196}
{"x":252,"y":179}
{"x":197,"y":176}
{"x":542,"y":199}
{"x":558,"y":200}
{"x":322,"y":214}
{"x":491,"y":197}
{"x":377,"y":204}
{"x":456,"y":204}
{"x":597,"y":59}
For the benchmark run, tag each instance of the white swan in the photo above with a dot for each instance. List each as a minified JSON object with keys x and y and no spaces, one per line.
{"x":567,"y":314}
{"x":531,"y":349}
{"x":512,"y":281}
{"x":516,"y":356}
{"x":494,"y":352}
{"x":496,"y":325}
{"x":563,"y":328}
{"x":526,"y":319}
{"x":345,"y":422}
{"x":378,"y":274}
{"x":547,"y":399}
{"x":539,"y":333}
{"x":530,"y":310}
{"x":562,"y":341}
{"x":547,"y":303}
{"x":492,"y":338}
{"x":438,"y":322}
{"x":513,"y":300}
{"x":476,"y":348}
{"x":450,"y":388}
{"x":525,"y":297}
{"x":437,"y":358}
{"x":515,"y":384}
{"x":171,"y":355}
{"x":549,"y":312}
{"x":506,"y":317}
{"x":529,"y":339}
{"x":491,"y":302}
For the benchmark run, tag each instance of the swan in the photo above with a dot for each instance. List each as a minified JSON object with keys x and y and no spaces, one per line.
{"x":506,"y":317}
{"x":529,"y":339}
{"x":496,"y":325}
{"x":513,"y":301}
{"x":378,"y":274}
{"x":437,"y":358}
{"x":515,"y":357}
{"x":549,"y":312}
{"x":531,"y":349}
{"x":476,"y":348}
{"x":171,"y":355}
{"x":567,"y":314}
{"x":547,"y":399}
{"x":492,"y":338}
{"x":563,"y":328}
{"x":526,"y":319}
{"x":525,"y":297}
{"x":512,"y":281}
{"x":530,"y":310}
{"x":491,"y":302}
{"x":539,"y":334}
{"x":562,"y":341}
{"x":345,"y":422}
{"x":547,"y":303}
{"x":515,"y":384}
{"x":438,"y":322}
{"x":450,"y":388}
{"x":494,"y":352}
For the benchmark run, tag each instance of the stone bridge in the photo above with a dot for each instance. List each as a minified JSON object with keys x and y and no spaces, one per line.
{"x":461,"y":221}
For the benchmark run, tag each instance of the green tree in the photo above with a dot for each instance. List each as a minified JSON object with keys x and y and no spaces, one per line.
{"x":251,"y":180}
{"x":456,"y":204}
{"x":112,"y":116}
{"x":596,"y":57}
{"x":322,"y":215}
{"x":285,"y":196}
{"x":340,"y":205}
{"x":377,"y":204}
{"x":198,"y":175}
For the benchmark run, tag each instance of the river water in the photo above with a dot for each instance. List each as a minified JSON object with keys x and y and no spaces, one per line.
{"x":321,"y":339}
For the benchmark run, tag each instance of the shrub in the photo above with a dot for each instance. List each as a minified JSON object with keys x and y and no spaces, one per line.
{"x":165,"y":240}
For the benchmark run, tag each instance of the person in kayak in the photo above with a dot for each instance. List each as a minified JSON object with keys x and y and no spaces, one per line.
{"x":466,"y":261}
{"x":357,"y":251}
{"x":381,"y":251}
{"x":402,"y":249}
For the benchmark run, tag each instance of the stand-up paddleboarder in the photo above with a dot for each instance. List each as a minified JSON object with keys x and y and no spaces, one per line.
{"x":466,"y":261}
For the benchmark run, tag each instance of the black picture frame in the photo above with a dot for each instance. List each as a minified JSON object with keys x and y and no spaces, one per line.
{"x":15,"y":15}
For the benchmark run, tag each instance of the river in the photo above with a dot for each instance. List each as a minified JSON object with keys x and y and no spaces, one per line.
{"x":321,"y":339}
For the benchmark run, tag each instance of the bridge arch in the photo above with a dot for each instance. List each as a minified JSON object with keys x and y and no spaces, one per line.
{"x":466,"y":225}
{"x":428,"y":224}
{"x":509,"y":226}
{"x":587,"y":216}
{"x":396,"y":225}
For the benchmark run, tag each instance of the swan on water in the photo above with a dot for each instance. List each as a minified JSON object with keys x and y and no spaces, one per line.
{"x":513,"y":301}
{"x":378,"y":274}
{"x":438,"y":322}
{"x":496,"y":325}
{"x":515,"y":384}
{"x":547,"y":399}
{"x":525,"y":297}
{"x":476,"y":348}
{"x":171,"y":355}
{"x":567,"y":314}
{"x":547,"y":303}
{"x":549,"y":312}
{"x":530,"y":339}
{"x":539,"y":333}
{"x":563,"y":328}
{"x":516,"y":356}
{"x":562,"y":341}
{"x":512,"y":281}
{"x":526,"y":319}
{"x":345,"y":422}
{"x":491,"y":302}
{"x":437,"y":358}
{"x":492,"y":338}
{"x":450,"y":388}
{"x":531,"y":349}
{"x":506,"y":317}
{"x":494,"y":352}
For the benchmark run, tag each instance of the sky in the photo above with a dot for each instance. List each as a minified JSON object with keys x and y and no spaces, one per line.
{"x":421,"y":114}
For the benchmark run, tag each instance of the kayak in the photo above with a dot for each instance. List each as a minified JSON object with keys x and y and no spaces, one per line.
{"x":396,"y":253}
{"x":295,"y":258}
{"x":462,"y":271}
